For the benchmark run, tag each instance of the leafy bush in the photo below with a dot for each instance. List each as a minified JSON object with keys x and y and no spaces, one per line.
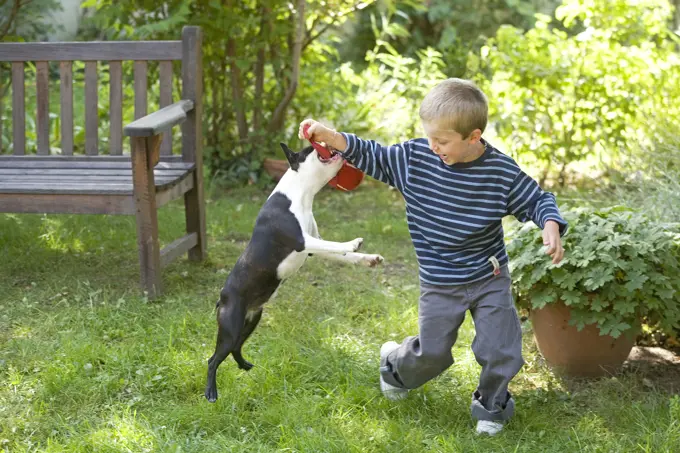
{"x":452,"y":27}
{"x":254,"y":54}
{"x":619,"y":268}
{"x":22,"y":20}
{"x":392,"y":86}
{"x":650,"y":179}
{"x":583,"y":89}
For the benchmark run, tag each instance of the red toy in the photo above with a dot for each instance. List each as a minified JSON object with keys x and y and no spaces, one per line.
{"x":349,"y":176}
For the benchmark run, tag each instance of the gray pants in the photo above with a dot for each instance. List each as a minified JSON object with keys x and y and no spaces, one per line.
{"x":497,"y":345}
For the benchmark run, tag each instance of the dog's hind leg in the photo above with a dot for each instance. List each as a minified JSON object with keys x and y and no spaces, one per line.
{"x":230,"y":321}
{"x":252,"y":319}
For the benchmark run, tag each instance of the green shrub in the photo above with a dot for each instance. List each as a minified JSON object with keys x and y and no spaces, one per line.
{"x":580,"y":88}
{"x":650,"y":179}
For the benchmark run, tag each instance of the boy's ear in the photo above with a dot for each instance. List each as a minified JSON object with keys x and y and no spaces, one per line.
{"x":474,"y":136}
{"x":291,"y":156}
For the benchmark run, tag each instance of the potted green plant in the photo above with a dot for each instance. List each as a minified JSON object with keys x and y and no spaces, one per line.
{"x":620,"y":269}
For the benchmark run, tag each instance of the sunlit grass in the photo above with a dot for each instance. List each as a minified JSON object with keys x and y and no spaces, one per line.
{"x":87,"y":364}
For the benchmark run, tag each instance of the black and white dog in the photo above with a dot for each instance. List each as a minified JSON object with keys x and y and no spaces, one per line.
{"x":285,"y":234}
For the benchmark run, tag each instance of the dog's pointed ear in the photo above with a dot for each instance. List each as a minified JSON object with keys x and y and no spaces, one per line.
{"x":291,"y":156}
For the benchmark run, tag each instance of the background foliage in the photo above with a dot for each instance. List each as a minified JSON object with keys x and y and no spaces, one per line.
{"x":26,"y":20}
{"x":577,"y":89}
{"x":598,"y":78}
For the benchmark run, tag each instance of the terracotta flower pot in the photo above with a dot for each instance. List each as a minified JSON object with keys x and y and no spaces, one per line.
{"x":275,"y":167}
{"x":575,"y":353}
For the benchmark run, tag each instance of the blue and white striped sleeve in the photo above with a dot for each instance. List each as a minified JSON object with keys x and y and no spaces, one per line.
{"x":384,"y":163}
{"x":527,"y":201}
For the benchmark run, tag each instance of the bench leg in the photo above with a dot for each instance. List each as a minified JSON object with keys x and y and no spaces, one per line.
{"x":144,"y":159}
{"x":194,"y":208}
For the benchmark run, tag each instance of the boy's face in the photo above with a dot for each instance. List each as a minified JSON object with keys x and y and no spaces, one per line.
{"x":451,"y":147}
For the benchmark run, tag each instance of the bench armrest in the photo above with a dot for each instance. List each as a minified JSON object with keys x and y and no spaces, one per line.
{"x":159,"y":121}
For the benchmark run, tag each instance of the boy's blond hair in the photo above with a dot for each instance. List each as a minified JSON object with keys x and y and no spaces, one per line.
{"x":456,"y":104}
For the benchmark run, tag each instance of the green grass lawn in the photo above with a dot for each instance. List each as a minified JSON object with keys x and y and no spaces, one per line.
{"x":87,"y":364}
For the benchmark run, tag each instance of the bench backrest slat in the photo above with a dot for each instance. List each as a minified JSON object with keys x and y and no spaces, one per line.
{"x":91,"y":111}
{"x":43,"y":106}
{"x":2,"y":112}
{"x":115,"y":108}
{"x":140,"y":88}
{"x":92,"y":51}
{"x":66,"y":101}
{"x":18,"y":111}
{"x":165,"y":74}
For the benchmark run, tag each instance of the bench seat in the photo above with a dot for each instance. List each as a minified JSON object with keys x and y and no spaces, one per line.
{"x":82,"y":175}
{"x":47,"y":184}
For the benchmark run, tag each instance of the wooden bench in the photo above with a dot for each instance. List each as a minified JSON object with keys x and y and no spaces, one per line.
{"x":95,"y":183}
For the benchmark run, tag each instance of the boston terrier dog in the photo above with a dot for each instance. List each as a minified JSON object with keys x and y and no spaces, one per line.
{"x":285,"y":234}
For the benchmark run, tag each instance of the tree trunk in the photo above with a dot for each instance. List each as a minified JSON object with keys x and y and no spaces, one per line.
{"x":279,"y":115}
{"x":7,"y":26}
{"x":215,"y":107}
{"x":563,"y":175}
{"x":237,"y":90}
{"x":544,"y":176}
{"x":259,"y":69}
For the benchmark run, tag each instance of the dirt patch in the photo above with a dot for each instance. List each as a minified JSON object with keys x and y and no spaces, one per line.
{"x":658,"y":368}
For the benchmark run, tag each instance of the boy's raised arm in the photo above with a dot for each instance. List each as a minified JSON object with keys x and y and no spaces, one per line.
{"x":384,"y":163}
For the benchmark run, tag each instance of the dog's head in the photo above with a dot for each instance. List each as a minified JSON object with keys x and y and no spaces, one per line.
{"x":311,"y":167}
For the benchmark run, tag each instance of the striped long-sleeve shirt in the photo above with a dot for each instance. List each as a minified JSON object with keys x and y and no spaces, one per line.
{"x":454,"y":211}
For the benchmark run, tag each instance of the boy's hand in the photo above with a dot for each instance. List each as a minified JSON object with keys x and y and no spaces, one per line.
{"x":320,"y":133}
{"x":317,"y":131}
{"x":553,"y":241}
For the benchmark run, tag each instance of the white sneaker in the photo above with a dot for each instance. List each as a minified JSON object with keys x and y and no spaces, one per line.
{"x":489,"y":427}
{"x":388,"y":390}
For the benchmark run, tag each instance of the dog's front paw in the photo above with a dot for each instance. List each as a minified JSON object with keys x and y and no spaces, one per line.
{"x":356,"y":244}
{"x":372,"y":260}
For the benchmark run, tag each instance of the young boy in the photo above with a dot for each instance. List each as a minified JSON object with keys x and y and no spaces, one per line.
{"x":457,"y":188}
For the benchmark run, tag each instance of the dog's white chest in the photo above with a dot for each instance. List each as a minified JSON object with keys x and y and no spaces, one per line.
{"x":290,"y":265}
{"x":304,"y":217}
{"x":302,"y":211}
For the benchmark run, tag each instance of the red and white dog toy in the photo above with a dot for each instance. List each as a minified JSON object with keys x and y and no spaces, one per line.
{"x":349,"y":176}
